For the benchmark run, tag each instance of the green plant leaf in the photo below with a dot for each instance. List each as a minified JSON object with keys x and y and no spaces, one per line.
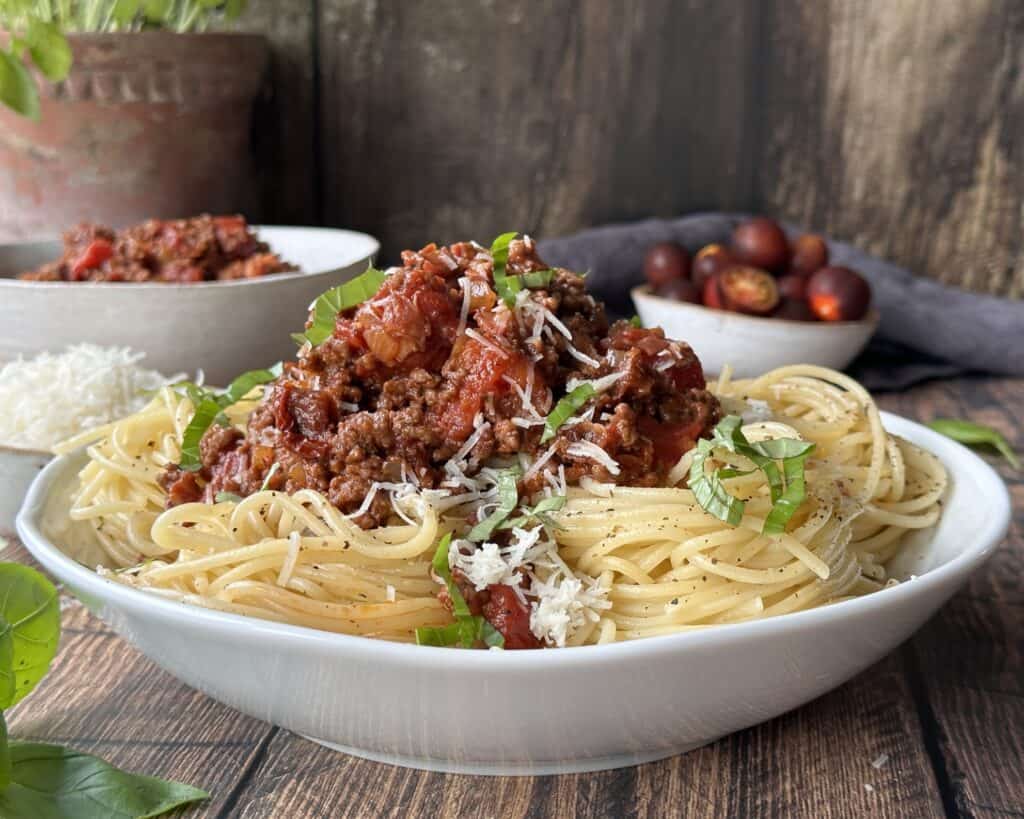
{"x":49,"y":49}
{"x":50,"y":782}
{"x":967,"y":432}
{"x":506,"y":286}
{"x":508,"y":499}
{"x":233,"y":9}
{"x":17,"y":88}
{"x":343,"y":297}
{"x":565,"y":409}
{"x":29,"y":630}
{"x":5,"y":755}
{"x":468,"y":629}
{"x":124,"y":11}
{"x":209,"y":409}
{"x":156,"y":11}
{"x":537,"y":279}
{"x":787,"y":486}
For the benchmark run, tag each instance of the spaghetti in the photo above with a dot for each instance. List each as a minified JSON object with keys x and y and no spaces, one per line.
{"x":608,"y":563}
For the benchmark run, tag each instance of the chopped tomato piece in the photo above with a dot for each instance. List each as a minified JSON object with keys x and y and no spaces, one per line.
{"x":670,"y":440}
{"x":95,"y":254}
{"x":510,"y":616}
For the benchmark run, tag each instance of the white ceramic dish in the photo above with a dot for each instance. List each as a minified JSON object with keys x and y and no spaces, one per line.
{"x":224,"y":328}
{"x":557,"y":711}
{"x":18,"y":468}
{"x":750,"y":344}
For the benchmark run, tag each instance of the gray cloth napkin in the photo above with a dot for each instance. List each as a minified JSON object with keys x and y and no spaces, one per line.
{"x":927,"y":330}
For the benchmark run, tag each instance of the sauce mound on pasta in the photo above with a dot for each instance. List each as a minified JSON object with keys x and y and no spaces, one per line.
{"x":437,"y":365}
{"x":467,"y":453}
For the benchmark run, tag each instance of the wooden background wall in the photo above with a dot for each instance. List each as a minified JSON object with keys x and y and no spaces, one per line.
{"x":896,"y":125}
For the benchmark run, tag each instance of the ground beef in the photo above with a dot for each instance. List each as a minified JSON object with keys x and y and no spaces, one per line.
{"x":204,"y":248}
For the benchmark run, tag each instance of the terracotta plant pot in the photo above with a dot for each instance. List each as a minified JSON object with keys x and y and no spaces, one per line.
{"x":153,"y":124}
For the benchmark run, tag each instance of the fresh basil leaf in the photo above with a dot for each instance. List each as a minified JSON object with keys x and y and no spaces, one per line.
{"x":205,"y":414}
{"x":468,"y":629}
{"x":246,"y":382}
{"x":968,"y":432}
{"x":708,"y":490}
{"x":5,"y":755}
{"x":565,"y":409}
{"x":787,"y":486}
{"x":29,"y":630}
{"x":49,"y":49}
{"x":50,"y":782}
{"x":508,"y":499}
{"x":506,"y":286}
{"x":17,"y":88}
{"x":227,"y":497}
{"x":636,"y":322}
{"x":537,"y":279}
{"x":209,"y":410}
{"x":538,"y":512}
{"x":443,"y":636}
{"x":343,"y":297}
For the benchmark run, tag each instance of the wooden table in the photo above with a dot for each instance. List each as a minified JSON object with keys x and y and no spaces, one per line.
{"x":942,"y":719}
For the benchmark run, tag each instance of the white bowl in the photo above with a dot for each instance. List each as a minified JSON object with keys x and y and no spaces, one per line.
{"x":224,"y":328}
{"x":750,"y":344}
{"x":552,"y":711}
{"x":18,"y":468}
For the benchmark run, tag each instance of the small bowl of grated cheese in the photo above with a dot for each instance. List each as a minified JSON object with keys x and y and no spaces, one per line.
{"x":54,"y":396}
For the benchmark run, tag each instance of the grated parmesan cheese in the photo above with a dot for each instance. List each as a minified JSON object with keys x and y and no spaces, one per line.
{"x":598,"y":384}
{"x":52,"y":397}
{"x":592,"y":452}
{"x":564,"y":603}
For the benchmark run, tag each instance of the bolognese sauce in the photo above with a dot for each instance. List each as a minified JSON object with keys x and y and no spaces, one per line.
{"x":180,"y":251}
{"x":436,"y":369}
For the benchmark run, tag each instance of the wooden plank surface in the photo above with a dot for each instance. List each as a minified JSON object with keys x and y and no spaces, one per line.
{"x":897,"y":126}
{"x":284,"y":128}
{"x":443,"y":122}
{"x":943,"y":718}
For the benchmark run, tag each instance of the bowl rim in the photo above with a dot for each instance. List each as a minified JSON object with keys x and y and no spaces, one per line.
{"x":373,"y":248}
{"x":870,"y":320}
{"x":295,"y":638}
{"x":7,"y":450}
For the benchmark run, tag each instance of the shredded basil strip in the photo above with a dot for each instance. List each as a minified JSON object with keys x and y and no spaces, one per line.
{"x":635,"y":321}
{"x":343,"y":297}
{"x":537,"y":279}
{"x":565,"y":409}
{"x":538,"y":512}
{"x":711,"y":494}
{"x":508,"y":497}
{"x":227,"y":497}
{"x":209,"y":409}
{"x":968,"y":432}
{"x":787,"y":486}
{"x":506,"y":286}
{"x":468,"y":629}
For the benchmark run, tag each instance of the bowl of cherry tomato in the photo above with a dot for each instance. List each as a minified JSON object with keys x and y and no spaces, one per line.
{"x":758,"y":301}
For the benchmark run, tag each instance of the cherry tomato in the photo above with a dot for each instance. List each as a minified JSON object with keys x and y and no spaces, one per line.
{"x":810,"y":253}
{"x":794,"y":310}
{"x":680,"y":290}
{"x":710,"y":259}
{"x":761,"y":243}
{"x":748,"y":290}
{"x":838,"y":294}
{"x":793,"y":286}
{"x":666,"y":262}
